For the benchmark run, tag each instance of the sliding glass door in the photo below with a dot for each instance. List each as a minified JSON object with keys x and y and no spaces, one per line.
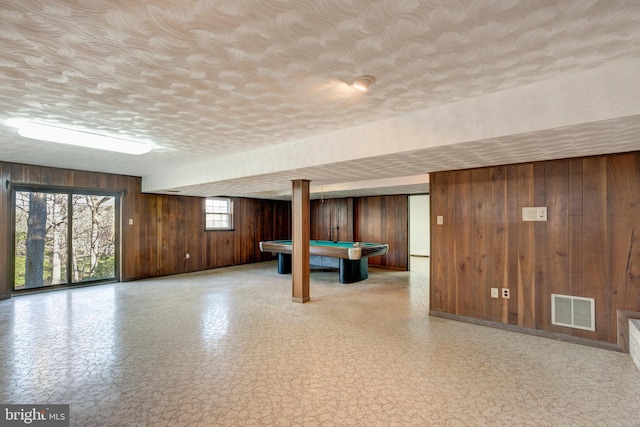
{"x":63,"y":238}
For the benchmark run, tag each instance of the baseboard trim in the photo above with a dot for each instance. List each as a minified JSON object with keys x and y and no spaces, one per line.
{"x":530,"y":331}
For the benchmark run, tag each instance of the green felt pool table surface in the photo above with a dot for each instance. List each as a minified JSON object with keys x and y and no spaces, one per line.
{"x":336,"y":249}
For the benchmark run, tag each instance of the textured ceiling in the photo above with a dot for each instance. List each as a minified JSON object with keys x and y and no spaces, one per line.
{"x":207,"y":80}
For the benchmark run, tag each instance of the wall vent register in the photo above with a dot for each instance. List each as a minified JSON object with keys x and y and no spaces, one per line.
{"x":574,"y":312}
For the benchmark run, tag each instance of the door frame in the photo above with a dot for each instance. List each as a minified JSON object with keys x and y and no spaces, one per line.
{"x":13,"y":189}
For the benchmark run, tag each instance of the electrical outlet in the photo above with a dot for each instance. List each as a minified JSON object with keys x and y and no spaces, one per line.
{"x":495,"y":293}
{"x":506,"y":293}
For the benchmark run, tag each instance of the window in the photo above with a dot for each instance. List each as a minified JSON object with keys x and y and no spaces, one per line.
{"x":218,"y":214}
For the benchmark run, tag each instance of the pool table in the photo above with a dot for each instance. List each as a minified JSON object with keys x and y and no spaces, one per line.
{"x":352,"y":256}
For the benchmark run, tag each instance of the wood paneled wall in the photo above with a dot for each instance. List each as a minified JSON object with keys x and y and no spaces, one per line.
{"x":384,"y":219}
{"x":165,"y":228}
{"x":5,"y":248}
{"x":380,"y":219}
{"x":175,"y":228}
{"x":588,"y":247}
{"x":332,"y":220}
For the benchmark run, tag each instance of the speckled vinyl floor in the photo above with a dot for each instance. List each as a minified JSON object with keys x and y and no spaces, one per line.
{"x":227,"y":347}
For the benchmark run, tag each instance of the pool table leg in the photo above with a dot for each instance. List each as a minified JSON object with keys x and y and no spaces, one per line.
{"x":353,"y":270}
{"x":350,"y":270}
{"x":284,"y":263}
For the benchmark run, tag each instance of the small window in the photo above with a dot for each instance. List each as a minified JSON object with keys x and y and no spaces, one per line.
{"x":218,"y":214}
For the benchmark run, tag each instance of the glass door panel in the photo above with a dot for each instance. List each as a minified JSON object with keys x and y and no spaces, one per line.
{"x":93,"y":235}
{"x":40,"y":239}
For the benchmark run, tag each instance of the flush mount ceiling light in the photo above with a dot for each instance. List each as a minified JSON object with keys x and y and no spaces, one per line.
{"x":78,"y":137}
{"x":362,"y":83}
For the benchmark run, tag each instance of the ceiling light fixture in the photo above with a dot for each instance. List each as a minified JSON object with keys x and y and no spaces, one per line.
{"x":362,"y":83}
{"x":78,"y":137}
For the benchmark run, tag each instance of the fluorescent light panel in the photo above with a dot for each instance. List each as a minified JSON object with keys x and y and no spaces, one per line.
{"x":78,"y":137}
